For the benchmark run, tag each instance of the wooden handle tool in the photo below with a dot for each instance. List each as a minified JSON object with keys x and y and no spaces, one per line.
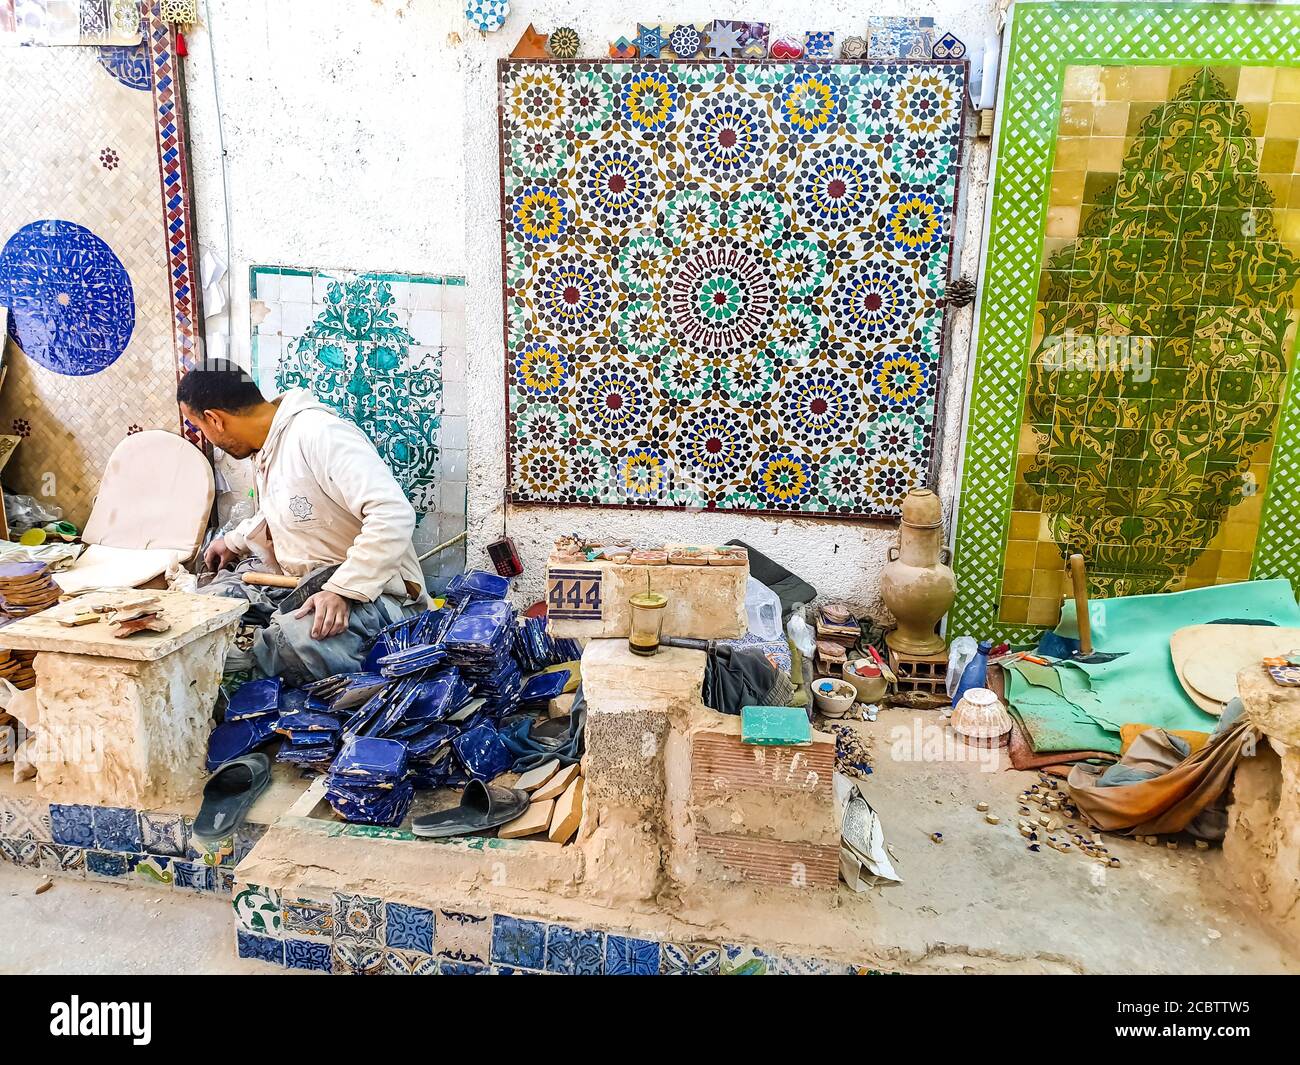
{"x":1079,"y":578}
{"x":269,"y":580}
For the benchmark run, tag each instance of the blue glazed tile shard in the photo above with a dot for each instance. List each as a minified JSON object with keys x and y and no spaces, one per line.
{"x":408,"y":927}
{"x":574,"y":952}
{"x":518,"y":942}
{"x":308,"y":954}
{"x":107,"y":864}
{"x":260,"y":948}
{"x":625,"y":956}
{"x":72,"y":825}
{"x":117,"y":828}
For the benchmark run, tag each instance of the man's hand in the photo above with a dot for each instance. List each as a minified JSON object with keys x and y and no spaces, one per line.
{"x":332,"y":612}
{"x":218,"y":555}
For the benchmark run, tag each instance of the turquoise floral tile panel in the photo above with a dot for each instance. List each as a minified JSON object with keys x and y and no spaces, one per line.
{"x":724,"y":282}
{"x":1132,"y":397}
{"x":376,"y":348}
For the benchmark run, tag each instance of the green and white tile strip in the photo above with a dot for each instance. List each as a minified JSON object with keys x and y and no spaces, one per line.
{"x":1045,"y":38}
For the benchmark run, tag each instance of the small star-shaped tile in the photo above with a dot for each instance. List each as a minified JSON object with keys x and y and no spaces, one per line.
{"x":649,"y":41}
{"x":532,"y":45}
{"x":724,"y":40}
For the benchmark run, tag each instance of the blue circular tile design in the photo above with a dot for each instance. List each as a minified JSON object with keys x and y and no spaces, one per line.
{"x":72,"y":303}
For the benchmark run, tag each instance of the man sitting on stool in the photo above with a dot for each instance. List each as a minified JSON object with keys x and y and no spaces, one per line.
{"x":325,"y":499}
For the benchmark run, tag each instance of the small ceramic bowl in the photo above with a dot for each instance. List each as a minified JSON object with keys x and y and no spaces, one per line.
{"x":838,"y":702}
{"x":871,"y":689}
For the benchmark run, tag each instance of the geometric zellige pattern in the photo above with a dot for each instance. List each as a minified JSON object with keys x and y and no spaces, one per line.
{"x":1045,"y":38}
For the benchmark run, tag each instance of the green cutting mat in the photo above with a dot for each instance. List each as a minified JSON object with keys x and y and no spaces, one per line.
{"x":1140,"y":686}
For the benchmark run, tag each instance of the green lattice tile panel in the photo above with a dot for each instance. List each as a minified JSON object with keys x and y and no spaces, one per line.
{"x":1134,"y":140}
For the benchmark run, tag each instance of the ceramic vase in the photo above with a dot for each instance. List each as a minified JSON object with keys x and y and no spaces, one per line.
{"x":917,"y":584}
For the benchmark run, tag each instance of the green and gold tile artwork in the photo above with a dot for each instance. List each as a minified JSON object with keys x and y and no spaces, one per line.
{"x":1164,"y":333}
{"x":1138,"y":318}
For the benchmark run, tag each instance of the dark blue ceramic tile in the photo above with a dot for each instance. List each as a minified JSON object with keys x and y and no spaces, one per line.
{"x":107,"y":863}
{"x":625,"y":956}
{"x":308,"y":954}
{"x":574,"y":952}
{"x":73,"y":826}
{"x":460,"y":968}
{"x":117,"y":829}
{"x":408,"y":927}
{"x":260,"y":948}
{"x":518,"y":942}
{"x":194,"y":876}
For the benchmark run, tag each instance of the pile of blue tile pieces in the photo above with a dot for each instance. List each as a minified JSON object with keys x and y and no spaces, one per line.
{"x":426,"y":709}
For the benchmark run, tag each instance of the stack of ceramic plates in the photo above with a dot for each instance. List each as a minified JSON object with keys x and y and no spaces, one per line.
{"x":26,"y":588}
{"x":16,"y":668}
{"x":368,"y":782}
{"x":311,"y":727}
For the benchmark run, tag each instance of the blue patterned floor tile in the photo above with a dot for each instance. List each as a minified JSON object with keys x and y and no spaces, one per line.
{"x":117,"y":828}
{"x":260,"y":948}
{"x":463,"y":937}
{"x":25,"y":819}
{"x":354,"y":960}
{"x":358,"y":920}
{"x":408,"y":927}
{"x":22,"y":852}
{"x":72,"y":825}
{"x":107,"y":864}
{"x":66,"y":861}
{"x":574,"y":951}
{"x":194,"y":876}
{"x":518,"y":942}
{"x":740,"y":960}
{"x":460,"y":968}
{"x":308,"y":954}
{"x":690,"y":959}
{"x":625,"y":956}
{"x":164,"y":834}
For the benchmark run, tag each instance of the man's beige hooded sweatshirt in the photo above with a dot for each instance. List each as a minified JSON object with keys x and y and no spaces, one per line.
{"x":325,"y":498}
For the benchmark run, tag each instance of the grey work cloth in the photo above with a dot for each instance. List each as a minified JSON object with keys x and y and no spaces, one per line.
{"x":284,"y":646}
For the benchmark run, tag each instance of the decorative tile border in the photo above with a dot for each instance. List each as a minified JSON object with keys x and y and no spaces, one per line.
{"x":148,"y":848}
{"x":1045,"y":38}
{"x":350,"y":934}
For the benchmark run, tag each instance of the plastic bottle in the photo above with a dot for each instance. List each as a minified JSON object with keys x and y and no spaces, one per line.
{"x":976,"y":673}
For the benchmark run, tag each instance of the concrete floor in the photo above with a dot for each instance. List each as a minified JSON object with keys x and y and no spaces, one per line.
{"x":981,"y":901}
{"x":85,"y":927}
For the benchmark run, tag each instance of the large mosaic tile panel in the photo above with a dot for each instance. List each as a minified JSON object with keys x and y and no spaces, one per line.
{"x":95,"y":254}
{"x":724,"y":282}
{"x":371,"y":346}
{"x":1131,"y":396}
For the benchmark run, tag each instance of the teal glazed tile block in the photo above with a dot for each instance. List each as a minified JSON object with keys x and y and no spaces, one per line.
{"x":775,"y":726}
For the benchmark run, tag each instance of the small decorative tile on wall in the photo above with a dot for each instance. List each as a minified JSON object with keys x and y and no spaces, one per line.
{"x":387,"y":352}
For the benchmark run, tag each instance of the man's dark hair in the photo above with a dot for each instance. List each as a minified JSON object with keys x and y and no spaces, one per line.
{"x":218,"y":384}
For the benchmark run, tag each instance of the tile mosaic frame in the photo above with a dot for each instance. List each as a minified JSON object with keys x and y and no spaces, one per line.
{"x":1042,"y":39}
{"x":621,"y":471}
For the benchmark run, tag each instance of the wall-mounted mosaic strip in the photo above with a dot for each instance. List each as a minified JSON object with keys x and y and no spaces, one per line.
{"x":362,"y":935}
{"x":724,"y":282}
{"x":69,"y":22}
{"x":387,"y":352}
{"x":95,"y":256}
{"x":143,"y":848}
{"x":1138,"y":319}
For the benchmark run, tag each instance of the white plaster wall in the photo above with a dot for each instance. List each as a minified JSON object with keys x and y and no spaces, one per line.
{"x":362,"y":134}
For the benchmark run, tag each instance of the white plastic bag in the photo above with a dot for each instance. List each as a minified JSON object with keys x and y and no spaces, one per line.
{"x":801,"y":633}
{"x":763,"y":608}
{"x":961,"y":652}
